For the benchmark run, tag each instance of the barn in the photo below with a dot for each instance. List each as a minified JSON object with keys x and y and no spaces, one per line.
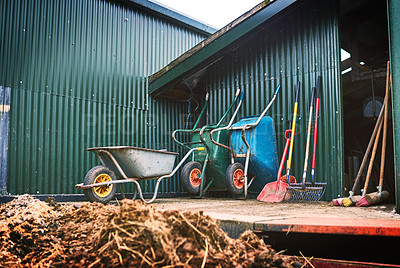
{"x":80,"y":74}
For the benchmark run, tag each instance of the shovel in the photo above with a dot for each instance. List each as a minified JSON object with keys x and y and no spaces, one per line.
{"x":274,"y":192}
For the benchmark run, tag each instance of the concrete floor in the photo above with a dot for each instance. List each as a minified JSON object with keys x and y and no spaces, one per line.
{"x":252,"y":210}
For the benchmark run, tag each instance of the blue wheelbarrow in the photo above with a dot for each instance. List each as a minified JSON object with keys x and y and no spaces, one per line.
{"x":253,"y":152}
{"x":124,"y":164}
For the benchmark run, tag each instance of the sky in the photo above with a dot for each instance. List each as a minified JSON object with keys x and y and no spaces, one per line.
{"x":216,"y":13}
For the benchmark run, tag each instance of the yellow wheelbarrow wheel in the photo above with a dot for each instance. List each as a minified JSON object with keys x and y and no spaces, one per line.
{"x":102,"y":194}
{"x":103,"y":191}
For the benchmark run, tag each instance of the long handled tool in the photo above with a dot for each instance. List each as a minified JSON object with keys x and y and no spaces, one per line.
{"x":380,"y":196}
{"x":318,"y":184}
{"x":354,"y":199}
{"x":275,"y":191}
{"x":306,"y":191}
{"x":308,"y":140}
{"x":350,"y":199}
{"x":287,"y":177}
{"x":296,"y":191}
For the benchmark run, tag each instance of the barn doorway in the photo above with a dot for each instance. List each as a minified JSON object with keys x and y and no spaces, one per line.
{"x":365,"y":52}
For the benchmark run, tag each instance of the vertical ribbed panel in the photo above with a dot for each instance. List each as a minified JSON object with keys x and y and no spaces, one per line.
{"x":394,"y":37}
{"x":78,"y":71}
{"x":5,"y":93}
{"x":299,"y":47}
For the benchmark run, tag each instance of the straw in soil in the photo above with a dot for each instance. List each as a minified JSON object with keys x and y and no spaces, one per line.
{"x":37,"y":234}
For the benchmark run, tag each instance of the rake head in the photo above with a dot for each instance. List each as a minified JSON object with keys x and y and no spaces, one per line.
{"x":296,"y":192}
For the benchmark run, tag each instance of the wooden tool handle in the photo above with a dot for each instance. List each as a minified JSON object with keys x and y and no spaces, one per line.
{"x":369,"y":147}
{"x":382,"y":171}
{"x":308,"y":137}
{"x":289,"y":162}
{"x":371,"y":161}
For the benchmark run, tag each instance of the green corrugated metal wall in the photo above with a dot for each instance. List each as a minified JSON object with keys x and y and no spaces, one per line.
{"x":394,"y":44}
{"x":78,"y":71}
{"x":300,"y":46}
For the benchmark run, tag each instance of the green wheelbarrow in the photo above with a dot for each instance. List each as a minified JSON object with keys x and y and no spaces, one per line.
{"x":124,"y":164}
{"x":206,"y":170}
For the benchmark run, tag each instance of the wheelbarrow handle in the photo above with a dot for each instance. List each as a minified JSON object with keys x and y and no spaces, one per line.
{"x":277,"y":90}
{"x":266,"y":108}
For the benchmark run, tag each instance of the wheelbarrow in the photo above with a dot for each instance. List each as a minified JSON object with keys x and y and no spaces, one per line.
{"x":124,"y":164}
{"x":206,"y":170}
{"x":253,"y":145}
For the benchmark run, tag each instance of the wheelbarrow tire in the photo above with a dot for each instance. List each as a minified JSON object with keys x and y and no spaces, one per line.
{"x":102,"y":194}
{"x":190,"y":177}
{"x":233,"y":178}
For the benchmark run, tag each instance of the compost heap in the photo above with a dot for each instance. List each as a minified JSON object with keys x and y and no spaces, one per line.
{"x":133,"y":234}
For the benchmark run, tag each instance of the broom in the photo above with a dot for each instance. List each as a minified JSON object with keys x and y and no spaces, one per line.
{"x":339,"y":201}
{"x":352,"y":200}
{"x":380,"y":196}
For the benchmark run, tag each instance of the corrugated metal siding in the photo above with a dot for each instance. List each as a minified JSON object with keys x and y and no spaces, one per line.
{"x":301,"y":46}
{"x":78,"y":72}
{"x":5,"y":93}
{"x":394,"y":48}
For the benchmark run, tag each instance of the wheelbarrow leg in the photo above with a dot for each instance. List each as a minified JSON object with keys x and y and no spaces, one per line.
{"x":122,"y":191}
{"x":246,"y":166}
{"x":135,"y":194}
{"x":202,"y":180}
{"x":164,"y":177}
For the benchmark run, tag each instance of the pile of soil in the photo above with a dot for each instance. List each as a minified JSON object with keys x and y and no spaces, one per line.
{"x":39,"y":234}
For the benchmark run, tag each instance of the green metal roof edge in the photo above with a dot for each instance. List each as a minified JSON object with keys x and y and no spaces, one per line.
{"x":202,"y":54}
{"x":164,"y":11}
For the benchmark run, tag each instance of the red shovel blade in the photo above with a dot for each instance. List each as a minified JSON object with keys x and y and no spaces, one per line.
{"x":273,"y":192}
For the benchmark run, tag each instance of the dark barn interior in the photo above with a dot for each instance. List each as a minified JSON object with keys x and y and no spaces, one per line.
{"x":364,"y":35}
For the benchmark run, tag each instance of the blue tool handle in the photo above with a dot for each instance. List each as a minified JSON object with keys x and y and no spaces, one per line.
{"x":242,"y":95}
{"x":313,"y":176}
{"x":277,"y":90}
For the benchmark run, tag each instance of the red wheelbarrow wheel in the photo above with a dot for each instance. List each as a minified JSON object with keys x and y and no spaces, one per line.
{"x":191,"y":177}
{"x":234,"y":179}
{"x":101,"y":194}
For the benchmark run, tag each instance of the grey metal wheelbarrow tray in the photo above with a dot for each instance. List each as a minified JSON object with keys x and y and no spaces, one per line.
{"x":140,"y":163}
{"x":132,"y":164}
